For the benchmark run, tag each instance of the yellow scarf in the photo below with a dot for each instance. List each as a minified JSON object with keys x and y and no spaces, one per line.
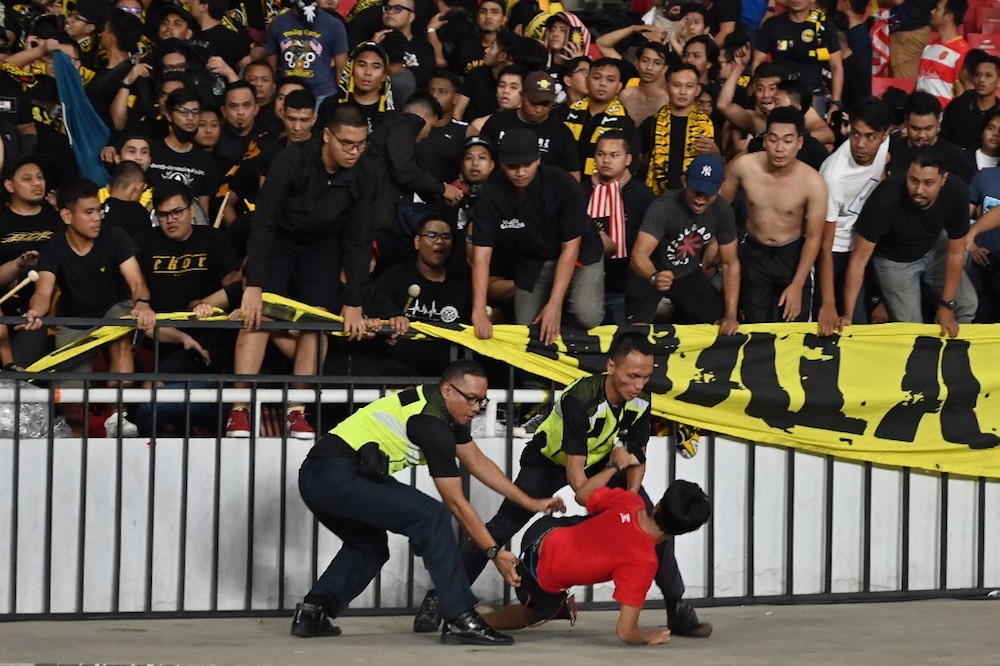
{"x":698,"y":124}
{"x":578,"y":116}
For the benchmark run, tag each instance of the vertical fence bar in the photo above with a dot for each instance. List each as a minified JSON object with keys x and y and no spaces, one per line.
{"x":81,"y":541}
{"x":866,"y":551}
{"x":828,"y":470}
{"x":943,"y":536}
{"x":216,"y":506}
{"x":150,"y":508}
{"x":790,"y":522}
{"x":49,"y":473}
{"x":251,"y":478}
{"x":904,"y":565}
{"x":117,"y":545}
{"x":15,"y":482}
{"x":981,"y":536}
{"x":751,"y":507}
{"x":710,"y":538}
{"x":183,"y":509}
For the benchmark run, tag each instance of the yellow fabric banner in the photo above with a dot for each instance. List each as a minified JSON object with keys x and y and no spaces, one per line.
{"x":894,"y":394}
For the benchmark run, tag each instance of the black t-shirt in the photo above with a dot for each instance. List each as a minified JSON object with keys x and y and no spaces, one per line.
{"x":223,"y":42}
{"x":723,"y":11}
{"x":91,"y":283}
{"x":684,"y":236}
{"x":129,"y":216}
{"x":901,"y":153}
{"x":195,"y":168}
{"x":15,"y":107}
{"x":440,"y":154}
{"x":801,"y":48}
{"x":901,"y":230}
{"x":555,"y":141}
{"x":481,"y":89}
{"x":534,"y":227}
{"x":20,"y":233}
{"x":678,"y":146}
{"x":446,"y":302}
{"x":963,"y":119}
{"x":178,"y":272}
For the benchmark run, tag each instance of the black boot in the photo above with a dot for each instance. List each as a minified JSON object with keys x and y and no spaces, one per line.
{"x":471,"y":629}
{"x":428,"y":617}
{"x":311,"y":620}
{"x":683,"y":621}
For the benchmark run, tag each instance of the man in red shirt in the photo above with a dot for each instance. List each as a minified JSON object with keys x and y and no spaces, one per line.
{"x":616,"y":542}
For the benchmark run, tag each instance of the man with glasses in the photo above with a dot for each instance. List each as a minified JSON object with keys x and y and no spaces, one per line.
{"x":351,"y":467}
{"x":573,"y":444}
{"x":84,"y":23}
{"x":555,"y":141}
{"x":419,"y":57}
{"x":175,"y":157}
{"x":311,"y":220}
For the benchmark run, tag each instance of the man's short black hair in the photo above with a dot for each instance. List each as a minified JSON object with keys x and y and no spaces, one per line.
{"x":684,"y":67}
{"x":346,"y":115}
{"x":451,"y":77}
{"x":683,"y":508}
{"x":957,"y":9}
{"x":458,"y":369}
{"x":259,"y":62}
{"x":239,"y":84}
{"x":711,"y":53}
{"x":529,"y":53}
{"x":798,"y":92}
{"x":694,"y":8}
{"x":930,"y":156}
{"x":169,"y":189}
{"x":789,"y":115}
{"x":607,"y":62}
{"x":615,"y":135}
{"x":422,"y":102}
{"x":127,"y":30}
{"x":125,"y":137}
{"x":627,"y":342}
{"x":181,"y":96}
{"x":216,"y":8}
{"x":657,"y":47}
{"x":73,"y":190}
{"x":125,"y":173}
{"x":300,"y":99}
{"x":873,"y":112}
{"x":921,"y":103}
{"x":990,"y":115}
{"x":769,"y":70}
{"x":570,"y":65}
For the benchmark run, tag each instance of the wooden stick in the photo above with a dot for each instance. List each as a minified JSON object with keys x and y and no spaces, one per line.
{"x":222,"y":209}
{"x":32,"y":277}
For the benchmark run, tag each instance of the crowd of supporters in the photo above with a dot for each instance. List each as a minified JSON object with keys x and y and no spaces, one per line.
{"x":488,"y":161}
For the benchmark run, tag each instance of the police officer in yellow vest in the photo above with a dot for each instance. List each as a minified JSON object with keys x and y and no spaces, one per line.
{"x":574,"y":443}
{"x":346,"y":481}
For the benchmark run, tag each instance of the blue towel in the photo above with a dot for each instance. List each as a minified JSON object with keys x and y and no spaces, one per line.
{"x":87,"y":132}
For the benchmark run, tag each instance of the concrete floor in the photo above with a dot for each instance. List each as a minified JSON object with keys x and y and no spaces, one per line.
{"x":914,"y":632}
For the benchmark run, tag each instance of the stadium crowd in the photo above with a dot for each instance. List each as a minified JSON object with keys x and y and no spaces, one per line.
{"x":491,"y":161}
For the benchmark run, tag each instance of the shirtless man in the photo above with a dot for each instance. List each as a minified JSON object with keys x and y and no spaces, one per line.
{"x":765,"y":85}
{"x":783,"y":232}
{"x":650,"y":95}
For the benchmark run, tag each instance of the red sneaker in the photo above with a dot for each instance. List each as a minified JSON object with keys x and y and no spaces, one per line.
{"x":238,"y":424}
{"x":297,"y":425}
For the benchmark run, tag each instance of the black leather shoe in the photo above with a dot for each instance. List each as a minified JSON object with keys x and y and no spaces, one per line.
{"x":428,"y":617}
{"x":471,"y":629}
{"x":683,"y":621}
{"x":311,"y":620}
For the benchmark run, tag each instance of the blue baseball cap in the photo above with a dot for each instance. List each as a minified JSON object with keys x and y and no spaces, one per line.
{"x":706,"y":174}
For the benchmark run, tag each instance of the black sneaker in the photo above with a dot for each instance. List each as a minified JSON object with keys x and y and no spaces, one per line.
{"x":311,"y":620}
{"x":471,"y":629}
{"x":428,"y":617}
{"x":683,"y":621}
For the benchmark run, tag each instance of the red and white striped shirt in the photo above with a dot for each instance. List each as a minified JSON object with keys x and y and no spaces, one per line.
{"x":940,"y":68}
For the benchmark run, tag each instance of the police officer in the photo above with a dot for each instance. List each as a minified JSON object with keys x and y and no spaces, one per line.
{"x":346,"y":481}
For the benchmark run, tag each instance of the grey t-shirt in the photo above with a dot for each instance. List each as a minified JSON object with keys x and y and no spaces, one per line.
{"x":684,"y":235}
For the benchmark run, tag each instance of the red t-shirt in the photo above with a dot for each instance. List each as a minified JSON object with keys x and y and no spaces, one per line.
{"x":608,"y":546}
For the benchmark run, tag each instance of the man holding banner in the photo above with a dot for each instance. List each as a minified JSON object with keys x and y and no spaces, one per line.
{"x":574,"y":444}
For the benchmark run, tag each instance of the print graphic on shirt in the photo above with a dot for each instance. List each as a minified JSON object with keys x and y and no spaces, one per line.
{"x":854,"y":208}
{"x":176,"y":172}
{"x":300,"y":49}
{"x":168,"y":264}
{"x":420,"y":310}
{"x":626,"y":517}
{"x":27,"y":237}
{"x":687,"y":244}
{"x":513,"y":223}
{"x":989,"y":202}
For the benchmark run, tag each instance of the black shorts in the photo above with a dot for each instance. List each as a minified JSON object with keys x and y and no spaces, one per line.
{"x":307,"y":272}
{"x":542,"y":604}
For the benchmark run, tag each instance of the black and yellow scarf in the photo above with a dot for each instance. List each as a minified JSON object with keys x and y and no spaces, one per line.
{"x":699,"y":124}
{"x":577,"y":118}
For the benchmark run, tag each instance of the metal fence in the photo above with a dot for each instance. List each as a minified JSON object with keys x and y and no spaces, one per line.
{"x":195,"y":525}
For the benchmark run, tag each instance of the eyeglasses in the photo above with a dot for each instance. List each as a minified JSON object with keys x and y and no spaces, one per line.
{"x":395,"y":9}
{"x":434,"y":236}
{"x":174,"y":214}
{"x":130,"y":10}
{"x":351,"y":146}
{"x":471,"y":399}
{"x":187,"y":112}
{"x":182,"y":67}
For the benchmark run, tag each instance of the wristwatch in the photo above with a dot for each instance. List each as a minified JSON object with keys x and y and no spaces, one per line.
{"x":652,"y":278}
{"x":492,"y":552}
{"x":947,"y":304}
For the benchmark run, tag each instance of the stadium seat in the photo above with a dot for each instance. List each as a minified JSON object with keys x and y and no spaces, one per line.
{"x":882,"y":83}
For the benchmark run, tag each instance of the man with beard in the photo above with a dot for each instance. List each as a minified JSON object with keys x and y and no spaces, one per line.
{"x":668,"y":256}
{"x":239,"y":109}
{"x":784,"y":233}
{"x":922,"y":122}
{"x":176,"y":157}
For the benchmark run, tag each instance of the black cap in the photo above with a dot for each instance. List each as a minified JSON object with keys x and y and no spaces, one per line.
{"x":479,"y":141}
{"x":519,"y":146}
{"x":11,"y":168}
{"x":95,"y":12}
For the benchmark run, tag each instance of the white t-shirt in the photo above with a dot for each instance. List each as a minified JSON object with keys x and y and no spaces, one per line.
{"x":848,"y":186}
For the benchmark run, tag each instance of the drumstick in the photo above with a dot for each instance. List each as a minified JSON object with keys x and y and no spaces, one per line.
{"x":413,"y":291}
{"x":222,"y":209}
{"x":32,"y":277}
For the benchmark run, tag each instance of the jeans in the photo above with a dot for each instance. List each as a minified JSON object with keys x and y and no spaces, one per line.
{"x":540,"y":477}
{"x":900,"y":282}
{"x":584,"y":298}
{"x":360,"y":511}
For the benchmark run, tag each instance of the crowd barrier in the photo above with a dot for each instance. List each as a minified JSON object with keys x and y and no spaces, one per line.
{"x":186,"y":525}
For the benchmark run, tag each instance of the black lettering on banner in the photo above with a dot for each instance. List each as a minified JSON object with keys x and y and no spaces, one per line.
{"x":715,"y":364}
{"x":768,"y":400}
{"x":920,"y":382}
{"x":958,"y":420}
{"x":823,"y":399}
{"x":665,"y":343}
{"x":586,"y":349}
